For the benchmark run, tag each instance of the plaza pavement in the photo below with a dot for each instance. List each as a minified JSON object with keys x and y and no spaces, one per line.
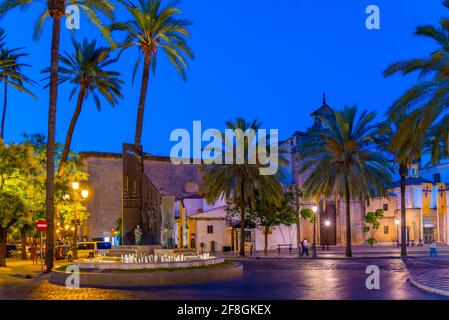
{"x":430,"y":275}
{"x":271,"y":278}
{"x":338,"y":252}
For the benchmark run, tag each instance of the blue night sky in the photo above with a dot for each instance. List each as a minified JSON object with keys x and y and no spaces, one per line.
{"x":264,"y":59}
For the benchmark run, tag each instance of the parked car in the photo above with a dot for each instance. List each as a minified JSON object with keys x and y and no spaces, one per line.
{"x":63,"y":252}
{"x":17,"y":253}
{"x":92,"y":249}
{"x":10,"y":249}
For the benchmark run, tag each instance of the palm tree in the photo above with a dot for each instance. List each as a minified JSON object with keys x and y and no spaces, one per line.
{"x":427,"y":102}
{"x":344,"y":161}
{"x":154,"y":28}
{"x":12,"y":75}
{"x":86,"y":69}
{"x":406,"y":147}
{"x":55,"y":9}
{"x":240,"y":182}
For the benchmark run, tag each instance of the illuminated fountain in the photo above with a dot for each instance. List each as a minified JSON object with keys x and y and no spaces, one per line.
{"x":149,"y":261}
{"x":159,"y":267}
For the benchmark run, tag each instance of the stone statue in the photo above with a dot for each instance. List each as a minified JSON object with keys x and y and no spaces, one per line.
{"x":138,"y":235}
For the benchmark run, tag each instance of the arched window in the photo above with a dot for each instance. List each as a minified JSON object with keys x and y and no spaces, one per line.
{"x":191,"y":187}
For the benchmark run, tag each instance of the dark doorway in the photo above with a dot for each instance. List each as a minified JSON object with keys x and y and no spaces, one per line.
{"x":328,"y":223}
{"x":192,"y":242}
{"x":428,"y":235}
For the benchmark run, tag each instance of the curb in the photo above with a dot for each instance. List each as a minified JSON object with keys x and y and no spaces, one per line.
{"x":5,"y":270}
{"x":322,"y":258}
{"x":120,"y":280}
{"x":428,"y":289}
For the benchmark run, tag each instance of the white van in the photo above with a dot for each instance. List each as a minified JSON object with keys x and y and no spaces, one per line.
{"x":92,"y":249}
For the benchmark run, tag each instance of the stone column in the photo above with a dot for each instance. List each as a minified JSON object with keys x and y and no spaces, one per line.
{"x":421,"y":226}
{"x":436,"y":210}
{"x":444,"y":227}
{"x":438,"y":225}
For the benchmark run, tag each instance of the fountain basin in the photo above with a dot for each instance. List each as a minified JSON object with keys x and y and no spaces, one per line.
{"x":129,"y":278}
{"x":108,"y":265}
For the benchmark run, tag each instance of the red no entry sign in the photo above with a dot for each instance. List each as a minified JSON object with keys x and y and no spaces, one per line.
{"x":41,"y":225}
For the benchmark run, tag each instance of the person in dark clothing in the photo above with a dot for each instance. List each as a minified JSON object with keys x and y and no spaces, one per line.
{"x":304,"y":247}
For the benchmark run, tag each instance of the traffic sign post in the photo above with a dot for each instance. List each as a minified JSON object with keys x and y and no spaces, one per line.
{"x":41,"y":226}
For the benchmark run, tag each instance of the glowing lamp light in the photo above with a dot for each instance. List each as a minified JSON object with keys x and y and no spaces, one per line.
{"x":84,"y":194}
{"x":72,"y":228}
{"x":75,"y":185}
{"x":327,"y":223}
{"x":66,"y":227}
{"x":314,"y":209}
{"x":397,"y":221}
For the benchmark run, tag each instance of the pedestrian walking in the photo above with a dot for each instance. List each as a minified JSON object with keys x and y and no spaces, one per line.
{"x":433,"y":250}
{"x":304,"y":247}
{"x":33,"y":253}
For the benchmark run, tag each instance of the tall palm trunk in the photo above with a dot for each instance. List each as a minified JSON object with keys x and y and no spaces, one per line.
{"x":403,"y":174}
{"x":143,"y":95}
{"x":71,"y":129}
{"x":3,"y":241}
{"x":5,"y":100}
{"x":23,"y":241}
{"x":298,"y":224}
{"x":56,"y":8}
{"x":348,"y":218}
{"x":3,"y":235}
{"x":242,"y":221}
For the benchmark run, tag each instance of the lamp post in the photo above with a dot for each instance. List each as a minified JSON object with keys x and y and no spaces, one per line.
{"x":314,"y":209}
{"x":327,"y":223}
{"x":84,"y":195}
{"x":397,"y":221}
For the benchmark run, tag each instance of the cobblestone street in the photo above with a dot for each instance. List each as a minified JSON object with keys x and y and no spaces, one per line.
{"x":263,"y":279}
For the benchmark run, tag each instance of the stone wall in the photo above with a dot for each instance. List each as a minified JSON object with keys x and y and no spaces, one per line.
{"x":357,"y":222}
{"x":387,"y":232}
{"x":105,"y":187}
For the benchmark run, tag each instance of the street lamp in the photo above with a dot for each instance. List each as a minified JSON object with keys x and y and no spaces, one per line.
{"x":397,"y":221}
{"x":75,"y":185}
{"x":84,"y":195}
{"x":327,"y":223}
{"x":314,"y":209}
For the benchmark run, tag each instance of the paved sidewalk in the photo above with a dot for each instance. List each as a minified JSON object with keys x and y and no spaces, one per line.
{"x":338,"y":252}
{"x":430,"y":275}
{"x":20,"y":267}
{"x":434,"y":281}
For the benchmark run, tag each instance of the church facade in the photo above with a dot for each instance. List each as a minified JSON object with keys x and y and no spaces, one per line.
{"x":426,"y":199}
{"x":426,"y":202}
{"x":331,"y":224}
{"x":163,"y":200}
